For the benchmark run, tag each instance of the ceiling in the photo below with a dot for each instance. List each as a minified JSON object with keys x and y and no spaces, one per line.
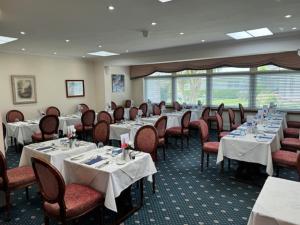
{"x":89,"y":23}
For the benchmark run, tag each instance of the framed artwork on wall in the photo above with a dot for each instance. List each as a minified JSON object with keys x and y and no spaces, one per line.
{"x":118,"y":82}
{"x":23,"y":89}
{"x":75,"y":88}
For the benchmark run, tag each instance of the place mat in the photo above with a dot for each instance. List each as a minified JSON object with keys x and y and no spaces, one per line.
{"x":93,"y":160}
{"x":116,"y":151}
{"x":44,"y":148}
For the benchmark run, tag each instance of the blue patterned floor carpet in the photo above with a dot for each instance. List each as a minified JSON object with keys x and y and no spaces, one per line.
{"x":184,"y":195}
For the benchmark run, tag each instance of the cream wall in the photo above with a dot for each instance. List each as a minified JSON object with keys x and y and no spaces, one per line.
{"x":50,"y":73}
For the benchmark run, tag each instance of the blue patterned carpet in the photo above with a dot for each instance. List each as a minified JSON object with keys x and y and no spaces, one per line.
{"x":184,"y":195}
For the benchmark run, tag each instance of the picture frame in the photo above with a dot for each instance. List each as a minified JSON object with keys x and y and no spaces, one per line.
{"x":118,"y":83}
{"x":23,"y":89}
{"x":75,"y":88}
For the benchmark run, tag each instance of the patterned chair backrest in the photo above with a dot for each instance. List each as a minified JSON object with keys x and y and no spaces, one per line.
{"x":242,"y":112}
{"x":144,"y":108}
{"x":133,"y":113}
{"x":88,"y":118}
{"x":161,"y":125}
{"x":156,"y":110}
{"x":52,"y":111}
{"x":4,"y":130}
{"x":119,"y":114}
{"x":3,"y":168}
{"x":103,"y":115}
{"x":185,"y":120}
{"x":50,"y":182}
{"x":219,"y":123}
{"x":49,"y":125}
{"x":177,"y":106}
{"x":101,"y":132}
{"x":231,"y":117}
{"x":146,"y":140}
{"x":127,"y":103}
{"x":113,"y":105}
{"x":205,"y":114}
{"x":161,"y":104}
{"x":84,"y":107}
{"x":14,"y":116}
{"x":220,"y":109}
{"x":203,"y":131}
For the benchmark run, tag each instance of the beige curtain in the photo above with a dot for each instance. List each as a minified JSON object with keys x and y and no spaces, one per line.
{"x":289,"y":60}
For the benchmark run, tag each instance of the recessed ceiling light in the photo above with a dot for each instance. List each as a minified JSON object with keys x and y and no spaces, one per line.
{"x":260,"y":32}
{"x":100,"y":46}
{"x":239,"y":35}
{"x":83,"y":56}
{"x":153,"y":23}
{"x":103,"y":53}
{"x":127,"y":50}
{"x":164,"y":1}
{"x":67,"y":41}
{"x":54,"y":53}
{"x":4,"y":39}
{"x":22,"y":32}
{"x":111,"y":8}
{"x":294,"y":28}
{"x":202,"y":40}
{"x":181,"y":33}
{"x":23,"y":49}
{"x":288,"y":16}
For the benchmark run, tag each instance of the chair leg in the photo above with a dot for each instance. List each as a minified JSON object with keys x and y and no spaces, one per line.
{"x":277,"y":171}
{"x":164,"y":152}
{"x":207,"y":160}
{"x":101,"y":219}
{"x":181,"y":142}
{"x":222,"y":166}
{"x":202,"y":160}
{"x":7,"y":206}
{"x":142,"y":190}
{"x":46,"y":220}
{"x":188,"y":141}
{"x":229,"y":162}
{"x":153,"y":184}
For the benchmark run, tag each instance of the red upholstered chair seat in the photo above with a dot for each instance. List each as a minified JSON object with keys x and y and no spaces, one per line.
{"x":194,"y":124}
{"x":283,"y":157}
{"x":211,"y":147}
{"x":291,"y":142}
{"x":19,"y":176}
{"x":291,"y":132}
{"x":161,"y":141}
{"x":174,"y":131}
{"x":224,"y":133}
{"x":294,"y":124}
{"x":79,"y":127}
{"x":38,"y":137}
{"x":78,"y":199}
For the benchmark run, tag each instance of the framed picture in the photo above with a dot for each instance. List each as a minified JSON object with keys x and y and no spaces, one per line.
{"x":23,"y":89}
{"x":75,"y":88}
{"x":118,"y":83}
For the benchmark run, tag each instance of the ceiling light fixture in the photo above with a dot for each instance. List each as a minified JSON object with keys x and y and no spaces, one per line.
{"x":127,"y":50}
{"x":83,"y":56}
{"x":181,"y":33}
{"x":67,"y":41}
{"x":54,"y":53}
{"x":100,"y":46}
{"x":239,"y":35}
{"x":261,"y":32}
{"x":23,"y":49}
{"x":163,"y":1}
{"x":111,"y":8}
{"x":22,"y":32}
{"x":288,"y":16}
{"x":202,"y":40}
{"x":103,"y":53}
{"x":294,"y":28}
{"x":153,"y":23}
{"x":4,"y":40}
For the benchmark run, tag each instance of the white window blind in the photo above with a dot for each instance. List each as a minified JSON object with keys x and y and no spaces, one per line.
{"x":158,"y":89}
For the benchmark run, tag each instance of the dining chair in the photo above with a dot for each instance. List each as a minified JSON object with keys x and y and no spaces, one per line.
{"x":156,"y":110}
{"x":177,"y":106}
{"x":48,"y":128}
{"x":53,"y":111}
{"x":101,"y":132}
{"x":144,"y":108}
{"x":113,"y":105}
{"x":292,"y":144}
{"x":292,"y":130}
{"x":232,"y":122}
{"x":242,"y":113}
{"x":286,"y":159}
{"x":127,"y":103}
{"x":146,"y":140}
{"x":133,"y":111}
{"x":87,"y":123}
{"x":64,"y":202}
{"x":213,"y":118}
{"x":161,"y":104}
{"x":204,"y":115}
{"x":208,"y":147}
{"x":118,"y":114}
{"x":84,"y":107}
{"x":103,"y":115}
{"x":220,"y":131}
{"x":182,"y":131}
{"x":4,"y":130}
{"x":161,"y":125}
{"x":13,"y":179}
{"x":14,"y":116}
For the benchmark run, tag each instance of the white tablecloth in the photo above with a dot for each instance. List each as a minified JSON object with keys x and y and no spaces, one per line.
{"x":112,"y":178}
{"x":55,"y":157}
{"x":65,"y":121}
{"x":247,"y":148}
{"x":277,"y":204}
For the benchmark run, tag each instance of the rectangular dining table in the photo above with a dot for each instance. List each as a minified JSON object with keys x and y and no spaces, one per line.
{"x":104,"y":170}
{"x":277,"y":204}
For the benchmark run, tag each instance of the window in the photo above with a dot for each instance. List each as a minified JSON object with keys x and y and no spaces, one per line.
{"x":283,"y":89}
{"x":158,"y":89}
{"x":191,"y":89}
{"x":231,"y":90}
{"x":230,"y":70}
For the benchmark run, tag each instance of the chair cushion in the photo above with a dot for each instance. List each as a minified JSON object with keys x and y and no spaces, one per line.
{"x":211,"y":147}
{"x":223,"y":134}
{"x":176,"y":131}
{"x":19,"y":176}
{"x":291,"y":132}
{"x":293,"y":124}
{"x":291,"y":142}
{"x":284,"y":157}
{"x":161,"y":141}
{"x":194,"y":124}
{"x":78,"y":199}
{"x":79,"y":127}
{"x":38,"y":137}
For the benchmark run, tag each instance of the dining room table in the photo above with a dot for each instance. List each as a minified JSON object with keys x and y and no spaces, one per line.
{"x":255,"y":146}
{"x":277,"y":204}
